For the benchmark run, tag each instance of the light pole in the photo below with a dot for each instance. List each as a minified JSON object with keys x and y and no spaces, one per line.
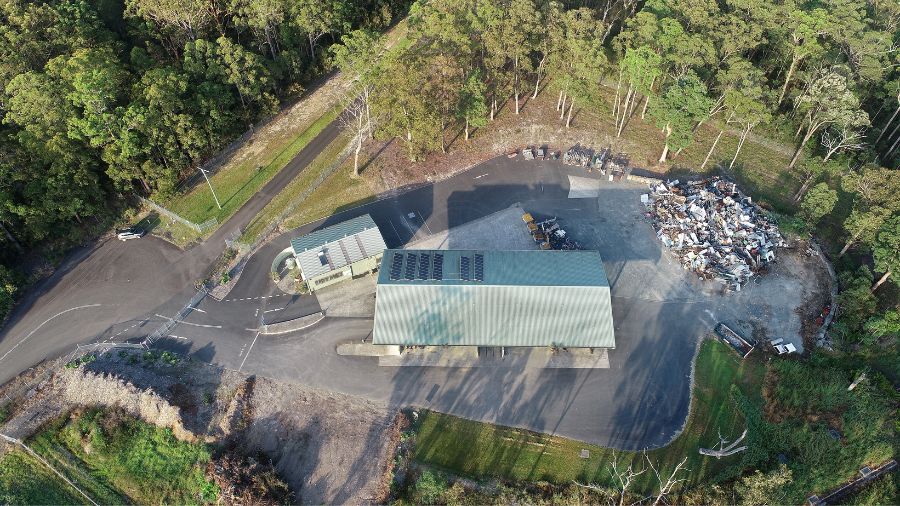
{"x":210,"y":186}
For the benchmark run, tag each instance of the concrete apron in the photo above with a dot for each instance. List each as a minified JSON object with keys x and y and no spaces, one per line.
{"x":467,"y":357}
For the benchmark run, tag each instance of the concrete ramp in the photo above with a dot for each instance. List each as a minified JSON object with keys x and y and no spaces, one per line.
{"x":583,"y":187}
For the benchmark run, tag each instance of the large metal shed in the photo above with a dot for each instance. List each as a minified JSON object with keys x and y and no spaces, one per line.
{"x":493,"y":299}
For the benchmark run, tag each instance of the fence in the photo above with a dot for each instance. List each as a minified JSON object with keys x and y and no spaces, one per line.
{"x":199,"y":228}
{"x":170,"y":323}
{"x":245,"y":248}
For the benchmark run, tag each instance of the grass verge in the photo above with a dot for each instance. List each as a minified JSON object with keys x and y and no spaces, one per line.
{"x":288,"y":197}
{"x":235,"y":184}
{"x":338,"y":192}
{"x":487,"y":451}
{"x":25,"y":480}
{"x":116,"y":458}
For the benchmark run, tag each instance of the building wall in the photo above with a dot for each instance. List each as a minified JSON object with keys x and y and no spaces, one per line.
{"x":359,"y":268}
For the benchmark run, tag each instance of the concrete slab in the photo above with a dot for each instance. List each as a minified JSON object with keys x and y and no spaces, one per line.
{"x":502,"y":230}
{"x":583,"y":187}
{"x":351,"y":298}
{"x":463,"y":357}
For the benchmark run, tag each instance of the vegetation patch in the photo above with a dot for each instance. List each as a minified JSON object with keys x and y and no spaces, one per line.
{"x":796,"y":413}
{"x":25,"y":480}
{"x":116,"y":458}
{"x":235,"y":185}
{"x":288,"y":197}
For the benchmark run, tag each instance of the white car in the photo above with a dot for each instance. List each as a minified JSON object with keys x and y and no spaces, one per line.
{"x":130,"y":233}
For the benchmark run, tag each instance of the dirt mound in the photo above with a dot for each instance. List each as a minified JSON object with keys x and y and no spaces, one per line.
{"x":82,"y":387}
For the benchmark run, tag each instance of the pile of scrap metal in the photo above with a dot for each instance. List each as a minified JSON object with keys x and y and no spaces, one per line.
{"x":548,"y":233}
{"x":532,"y":153}
{"x":603,"y":161}
{"x":717,"y":231}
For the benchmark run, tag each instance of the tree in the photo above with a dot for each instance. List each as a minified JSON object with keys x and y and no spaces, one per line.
{"x":827,"y":100}
{"x":641,"y":66}
{"x":623,"y":476}
{"x":881,"y":325}
{"x":586,"y":59}
{"x":768,"y":488}
{"x":189,"y":17}
{"x":680,"y":107}
{"x":886,"y":249}
{"x":841,"y":138}
{"x":748,"y":108}
{"x":316,"y":18}
{"x":818,"y":202}
{"x":862,"y":224}
{"x":357,"y":56}
{"x":802,"y":31}
{"x":666,"y":482}
{"x":472,"y":107}
{"x":264,"y":18}
{"x":247,"y":73}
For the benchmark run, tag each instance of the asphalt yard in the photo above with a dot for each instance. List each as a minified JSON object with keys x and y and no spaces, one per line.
{"x":660,"y":312}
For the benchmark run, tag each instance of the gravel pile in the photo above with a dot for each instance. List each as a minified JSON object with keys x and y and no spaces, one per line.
{"x":716,"y":230}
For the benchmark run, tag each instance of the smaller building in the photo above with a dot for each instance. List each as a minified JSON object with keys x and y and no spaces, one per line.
{"x":342,"y":251}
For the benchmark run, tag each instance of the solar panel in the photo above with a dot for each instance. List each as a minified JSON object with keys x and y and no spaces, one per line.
{"x":438,"y":271}
{"x":464,"y":269}
{"x":396,"y":265}
{"x":424,"y":264}
{"x":410,"y":266}
{"x":479,"y":267}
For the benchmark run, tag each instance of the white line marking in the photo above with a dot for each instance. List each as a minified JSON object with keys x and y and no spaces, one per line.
{"x":479,"y":177}
{"x":177,"y":337}
{"x":197,"y":309}
{"x":395,"y":229}
{"x":270,"y":310}
{"x":424,"y":223}
{"x":42,"y":324}
{"x":248,"y":352}
{"x":189,"y":323}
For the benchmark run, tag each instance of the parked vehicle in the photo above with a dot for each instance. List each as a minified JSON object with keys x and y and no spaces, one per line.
{"x":130,"y":233}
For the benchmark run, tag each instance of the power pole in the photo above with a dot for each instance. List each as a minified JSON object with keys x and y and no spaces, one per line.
{"x":210,"y":186}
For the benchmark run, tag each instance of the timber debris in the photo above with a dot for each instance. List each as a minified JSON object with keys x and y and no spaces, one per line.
{"x":716,"y":230}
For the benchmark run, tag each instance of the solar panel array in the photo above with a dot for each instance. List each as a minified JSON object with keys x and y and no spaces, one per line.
{"x":410,"y":266}
{"x":438,"y":271}
{"x":396,"y":266}
{"x":464,"y":271}
{"x":424,"y":264}
{"x":479,"y":267}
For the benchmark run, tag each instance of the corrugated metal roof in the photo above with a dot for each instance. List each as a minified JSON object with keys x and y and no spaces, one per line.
{"x":526,"y":298}
{"x":337,"y":246}
{"x":332,"y":233}
{"x":516,"y":267}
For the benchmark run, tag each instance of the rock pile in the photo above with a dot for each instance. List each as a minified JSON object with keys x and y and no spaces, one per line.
{"x":717,"y":231}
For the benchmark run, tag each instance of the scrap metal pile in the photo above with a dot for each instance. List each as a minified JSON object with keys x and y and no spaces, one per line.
{"x":548,"y":233}
{"x":717,"y":231}
{"x":603,"y":161}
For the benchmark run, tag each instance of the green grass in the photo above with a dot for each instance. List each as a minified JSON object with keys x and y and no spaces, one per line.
{"x":295,"y":189}
{"x":235,"y":184}
{"x":115,"y":458}
{"x":482,"y":450}
{"x":25,"y":480}
{"x":340,"y":191}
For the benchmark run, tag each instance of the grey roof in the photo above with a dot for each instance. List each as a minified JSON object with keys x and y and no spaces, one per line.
{"x":337,"y":246}
{"x":525,"y":298}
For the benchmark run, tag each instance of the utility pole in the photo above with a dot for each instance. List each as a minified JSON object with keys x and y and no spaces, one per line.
{"x":210,"y":186}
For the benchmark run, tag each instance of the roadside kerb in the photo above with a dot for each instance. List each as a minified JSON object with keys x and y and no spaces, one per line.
{"x":292,"y":325}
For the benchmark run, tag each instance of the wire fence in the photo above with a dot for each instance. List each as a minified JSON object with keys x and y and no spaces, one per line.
{"x":197,"y":227}
{"x":170,"y":323}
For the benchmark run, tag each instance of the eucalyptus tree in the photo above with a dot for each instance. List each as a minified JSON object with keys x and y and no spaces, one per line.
{"x":827,"y":100}
{"x":678,"y":109}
